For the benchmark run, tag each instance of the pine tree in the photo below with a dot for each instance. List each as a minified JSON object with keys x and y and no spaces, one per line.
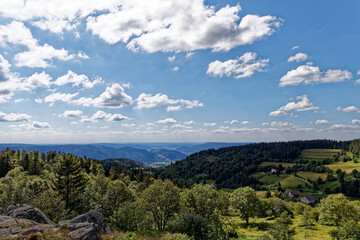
{"x":69,"y":181}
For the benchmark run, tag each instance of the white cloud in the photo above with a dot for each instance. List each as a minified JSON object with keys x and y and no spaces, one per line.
{"x":126,"y":85}
{"x":55,"y":15}
{"x":83,"y":55}
{"x":175,"y":69}
{"x":241,"y":67}
{"x":295,"y":47}
{"x":322,"y":121}
{"x":355,"y":121}
{"x":72,"y":113}
{"x":39,"y":100}
{"x":39,"y":80}
{"x":189,"y":122}
{"x":149,"y":101}
{"x":358,"y":72}
{"x":154,"y":26}
{"x":245,"y":122}
{"x":189,"y":54}
{"x":37,"y":124}
{"x":113,"y":97}
{"x":233,"y":121}
{"x":357,"y":81}
{"x":74,"y":123}
{"x":77,"y":80}
{"x":63,"y":97}
{"x":209,"y":124}
{"x":128,"y":125}
{"x":349,"y":109}
{"x":166,"y":121}
{"x":302,"y":105}
{"x":14,"y":117}
{"x":37,"y":55}
{"x":307,"y":74}
{"x":173,"y":108}
{"x":282,"y":124}
{"x":101,"y":115}
{"x":299,"y":57}
{"x":171,"y":58}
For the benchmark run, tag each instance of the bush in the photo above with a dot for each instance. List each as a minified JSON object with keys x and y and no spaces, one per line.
{"x":193,"y":225}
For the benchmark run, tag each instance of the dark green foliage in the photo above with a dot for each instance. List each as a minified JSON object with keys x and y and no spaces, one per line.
{"x":194,"y":225}
{"x":69,"y":181}
{"x":349,"y":230}
{"x":232,"y":167}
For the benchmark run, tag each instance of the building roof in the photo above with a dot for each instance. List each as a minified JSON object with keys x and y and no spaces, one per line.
{"x":309,"y":198}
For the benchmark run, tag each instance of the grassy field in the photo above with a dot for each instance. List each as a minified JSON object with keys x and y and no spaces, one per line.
{"x":285,"y":165}
{"x":286,"y":180}
{"x":312,"y":176}
{"x":319,"y":153}
{"x":344,"y":166}
{"x":317,"y":232}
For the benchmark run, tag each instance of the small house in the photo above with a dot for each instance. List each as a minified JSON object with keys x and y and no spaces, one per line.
{"x":291,"y":194}
{"x":308,"y":199}
{"x":274,"y":170}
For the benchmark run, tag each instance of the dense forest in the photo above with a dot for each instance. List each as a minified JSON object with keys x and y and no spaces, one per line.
{"x":232,"y":167}
{"x":145,"y":203}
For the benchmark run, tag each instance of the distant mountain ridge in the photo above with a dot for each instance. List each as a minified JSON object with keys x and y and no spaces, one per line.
{"x":151,"y":154}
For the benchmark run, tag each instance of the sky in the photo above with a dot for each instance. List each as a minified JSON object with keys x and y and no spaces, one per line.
{"x":74,"y":71}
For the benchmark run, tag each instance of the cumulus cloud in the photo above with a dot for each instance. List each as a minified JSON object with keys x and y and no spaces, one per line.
{"x":37,"y":124}
{"x":241,"y":67}
{"x":113,"y":97}
{"x":72,"y":113}
{"x":299,"y":57}
{"x":189,"y":122}
{"x":307,"y":74}
{"x":37,"y":55}
{"x":149,"y":101}
{"x":166,"y":121}
{"x":245,"y":122}
{"x":355,"y":121}
{"x":322,"y":121}
{"x":303,"y":104}
{"x":349,"y":109}
{"x":101,"y":115}
{"x":14,"y":117}
{"x":176,"y":68}
{"x":39,"y":80}
{"x":63,"y":97}
{"x":154,"y":26}
{"x":209,"y":124}
{"x":77,"y":80}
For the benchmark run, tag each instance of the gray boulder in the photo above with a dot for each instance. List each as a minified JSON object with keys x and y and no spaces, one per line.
{"x":87,"y":226}
{"x":27,"y":212}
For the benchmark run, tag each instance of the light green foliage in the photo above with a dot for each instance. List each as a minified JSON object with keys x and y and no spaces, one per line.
{"x":205,"y":200}
{"x":275,"y":206}
{"x":337,"y":208}
{"x":162,"y":199}
{"x":280,"y":229}
{"x":245,"y":201}
{"x":132,"y":216}
{"x":51,"y":204}
{"x":116,"y":194}
{"x":349,"y":230}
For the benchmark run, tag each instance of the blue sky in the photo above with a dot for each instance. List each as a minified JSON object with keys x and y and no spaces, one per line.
{"x":177,"y":71}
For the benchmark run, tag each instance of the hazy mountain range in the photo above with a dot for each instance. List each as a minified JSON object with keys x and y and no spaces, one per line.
{"x":152,"y":154}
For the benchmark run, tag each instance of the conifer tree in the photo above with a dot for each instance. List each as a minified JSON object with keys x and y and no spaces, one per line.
{"x":69,"y":181}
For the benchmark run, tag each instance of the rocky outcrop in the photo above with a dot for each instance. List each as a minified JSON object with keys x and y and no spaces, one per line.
{"x":86,"y":226}
{"x":22,"y":221}
{"x":25,"y":211}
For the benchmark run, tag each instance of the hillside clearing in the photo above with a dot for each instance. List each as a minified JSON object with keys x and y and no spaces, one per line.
{"x":319,"y":153}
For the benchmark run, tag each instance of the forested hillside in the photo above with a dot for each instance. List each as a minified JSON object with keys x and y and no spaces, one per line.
{"x":232,"y":167}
